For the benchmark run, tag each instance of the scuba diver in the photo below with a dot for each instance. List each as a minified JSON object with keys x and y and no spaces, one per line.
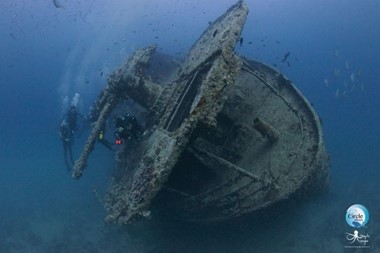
{"x":66,"y":135}
{"x":127,"y":129}
{"x":72,"y":118}
{"x":66,"y":131}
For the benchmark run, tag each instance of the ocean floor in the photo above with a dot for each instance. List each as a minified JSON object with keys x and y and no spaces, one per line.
{"x":310,"y":226}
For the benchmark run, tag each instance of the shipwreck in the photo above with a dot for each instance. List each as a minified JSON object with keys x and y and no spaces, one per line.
{"x":228,"y":136}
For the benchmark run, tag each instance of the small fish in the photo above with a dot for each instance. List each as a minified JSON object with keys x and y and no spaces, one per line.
{"x":336,"y":53}
{"x":241,"y":41}
{"x":285,"y":57}
{"x":214,"y":34}
{"x":101,"y":73}
{"x":249,"y":42}
{"x":336,"y":72}
{"x":347,"y":65}
{"x":352,"y":77}
{"x":57,"y":4}
{"x":326,"y":83}
{"x":352,"y":87}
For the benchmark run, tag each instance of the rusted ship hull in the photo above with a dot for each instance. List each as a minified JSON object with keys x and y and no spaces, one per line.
{"x":233,"y":170}
{"x":227,"y":136}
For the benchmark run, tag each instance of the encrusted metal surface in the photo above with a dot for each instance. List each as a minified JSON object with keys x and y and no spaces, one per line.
{"x":197,"y":96}
{"x":227,"y":137}
{"x":250,"y":171}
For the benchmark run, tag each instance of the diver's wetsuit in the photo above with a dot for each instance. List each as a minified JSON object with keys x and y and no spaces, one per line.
{"x":72,"y":118}
{"x":66,"y":134}
{"x":66,"y":131}
{"x":127,"y":128}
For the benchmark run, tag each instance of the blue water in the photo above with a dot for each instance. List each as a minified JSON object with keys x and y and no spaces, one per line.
{"x":48,"y":53}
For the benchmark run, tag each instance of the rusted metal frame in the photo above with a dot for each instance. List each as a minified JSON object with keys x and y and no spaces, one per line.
{"x":81,"y":163}
{"x":241,"y":173}
{"x":193,"y":75}
{"x":182,"y":97}
{"x":238,"y":208}
{"x":153,"y":110}
{"x":109,"y":99}
{"x":199,"y":153}
{"x":177,"y":192}
{"x":198,"y":199}
{"x":220,"y":203}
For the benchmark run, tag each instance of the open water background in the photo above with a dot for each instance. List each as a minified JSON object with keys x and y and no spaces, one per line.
{"x":49,"y":53}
